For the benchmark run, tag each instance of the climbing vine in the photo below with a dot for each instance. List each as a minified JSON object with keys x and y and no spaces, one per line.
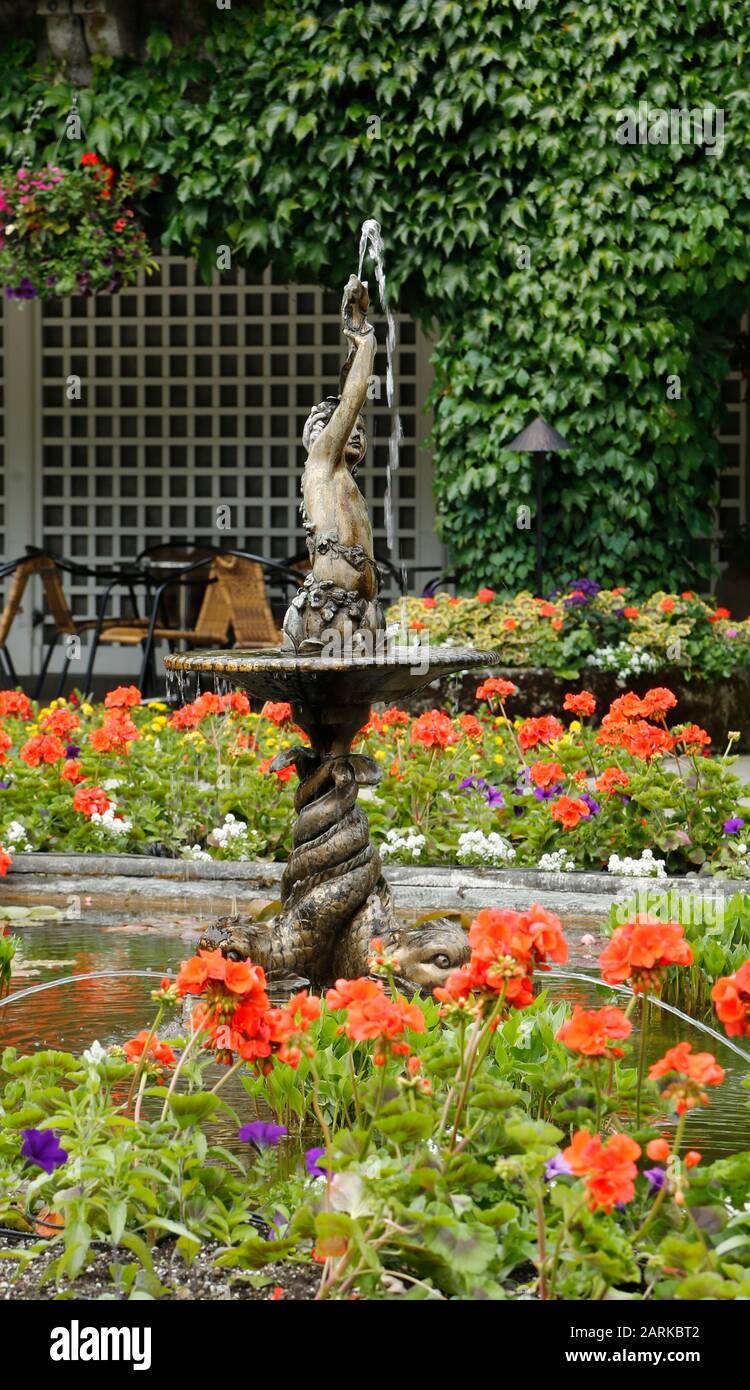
{"x":570,"y":275}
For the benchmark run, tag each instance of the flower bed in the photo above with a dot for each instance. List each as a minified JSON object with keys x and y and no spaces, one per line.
{"x":482,"y":1144}
{"x":588,"y":627}
{"x":640,"y":795}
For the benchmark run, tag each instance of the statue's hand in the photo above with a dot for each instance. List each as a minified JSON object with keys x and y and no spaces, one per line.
{"x":359,"y":336}
{"x":354,"y":305}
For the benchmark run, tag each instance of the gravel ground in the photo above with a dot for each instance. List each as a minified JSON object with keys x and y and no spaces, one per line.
{"x":197,"y":1281}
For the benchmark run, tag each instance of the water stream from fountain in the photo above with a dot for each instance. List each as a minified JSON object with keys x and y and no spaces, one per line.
{"x":371,"y":238}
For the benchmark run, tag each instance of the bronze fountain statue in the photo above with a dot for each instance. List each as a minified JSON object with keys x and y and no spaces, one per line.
{"x":336,"y":659}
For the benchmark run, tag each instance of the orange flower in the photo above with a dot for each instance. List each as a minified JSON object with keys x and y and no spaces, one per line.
{"x":373,"y":1016}
{"x":15,"y":704}
{"x":495,"y":685}
{"x":116,"y":733}
{"x":546,"y":774}
{"x":394,"y":717}
{"x":547,"y":610}
{"x":6,"y":742}
{"x":693,"y":738}
{"x":279,"y":712}
{"x":657,"y":701}
{"x":569,"y":811}
{"x":510,"y":624}
{"x":122,"y":697}
{"x":283,"y":773}
{"x":160,"y":1051}
{"x":505,"y":946}
{"x":542,"y":730}
{"x":5,"y":862}
{"x":610,"y":780}
{"x":693,"y":1071}
{"x":470,"y":725}
{"x":433,"y":729}
{"x":485,"y":595}
{"x":731,"y":1000}
{"x":60,"y":721}
{"x":641,"y":950}
{"x":658,"y":1150}
{"x":667,"y":605}
{"x":630,"y":612}
{"x":87,"y":800}
{"x":719,"y":613}
{"x":556,"y":624}
{"x":609,"y":1169}
{"x":237,"y":701}
{"x":583,"y":703}
{"x":692,"y":1158}
{"x":289,"y":1024}
{"x":42,"y":748}
{"x":590,"y":1031}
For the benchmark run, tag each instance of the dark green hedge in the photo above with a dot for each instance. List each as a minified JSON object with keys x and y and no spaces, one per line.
{"x":497,"y":132}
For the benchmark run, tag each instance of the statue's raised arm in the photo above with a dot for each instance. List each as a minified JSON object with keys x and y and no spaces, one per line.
{"x":356,"y":372}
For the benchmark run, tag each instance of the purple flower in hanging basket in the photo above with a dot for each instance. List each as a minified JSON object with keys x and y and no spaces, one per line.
{"x":656,"y":1177}
{"x":23,"y":290}
{"x":42,"y":1147}
{"x":732,"y":825}
{"x":262,"y":1134}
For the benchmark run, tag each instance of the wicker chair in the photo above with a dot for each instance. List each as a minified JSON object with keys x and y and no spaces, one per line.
{"x":242,"y":583}
{"x":65,"y":624}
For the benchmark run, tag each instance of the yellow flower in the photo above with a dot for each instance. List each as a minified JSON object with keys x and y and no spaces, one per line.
{"x":159,"y":706}
{"x":499,"y":758}
{"x":87,"y":709}
{"x":158,"y":724}
{"x":379,"y":755}
{"x":451,"y":748}
{"x":575,"y":724}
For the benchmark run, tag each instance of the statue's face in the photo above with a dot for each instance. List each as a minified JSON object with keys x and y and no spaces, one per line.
{"x":356,"y":444}
{"x":428,"y":954}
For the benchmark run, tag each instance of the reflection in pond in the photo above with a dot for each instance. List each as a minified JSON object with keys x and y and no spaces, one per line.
{"x":114,"y":1009}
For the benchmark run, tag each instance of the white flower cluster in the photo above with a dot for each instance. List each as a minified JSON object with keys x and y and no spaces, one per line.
{"x":235,"y":837}
{"x":474,"y":847}
{"x":110,"y":823}
{"x":111,"y":784}
{"x":15,"y":836}
{"x":627,"y":661}
{"x":95,"y":1054}
{"x":645,"y":867}
{"x":194,"y":852}
{"x":402,"y":844}
{"x":558,"y":861}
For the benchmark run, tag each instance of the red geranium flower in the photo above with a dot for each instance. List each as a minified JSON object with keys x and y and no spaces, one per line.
{"x":60,"y":721}
{"x":87,"y":800}
{"x":611,"y":780}
{"x":279,"y":712}
{"x":470,"y":725}
{"x":15,"y":704}
{"x":569,"y":811}
{"x":583,"y":703}
{"x":541,"y":730}
{"x":116,"y":733}
{"x":731,"y":1000}
{"x":485,"y":595}
{"x":546,"y":774}
{"x":433,"y":729}
{"x":160,"y":1051}
{"x":42,"y":748}
{"x":393,"y":717}
{"x":373,"y":1016}
{"x":609,"y":1169}
{"x":693,"y":1071}
{"x":592,"y":1031}
{"x":641,"y":950}
{"x":5,"y":862}
{"x":122,"y":697}
{"x":495,"y":685}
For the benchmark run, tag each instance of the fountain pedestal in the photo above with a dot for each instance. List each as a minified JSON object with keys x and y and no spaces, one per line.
{"x":334,"y":897}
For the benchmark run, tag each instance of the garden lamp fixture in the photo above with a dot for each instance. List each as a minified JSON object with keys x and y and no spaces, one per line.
{"x":539,"y":439}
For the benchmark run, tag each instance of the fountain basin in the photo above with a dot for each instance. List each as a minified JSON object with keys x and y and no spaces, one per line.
{"x":324,"y":683}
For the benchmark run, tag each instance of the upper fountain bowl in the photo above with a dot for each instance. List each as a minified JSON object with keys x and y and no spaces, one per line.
{"x":278,"y":674}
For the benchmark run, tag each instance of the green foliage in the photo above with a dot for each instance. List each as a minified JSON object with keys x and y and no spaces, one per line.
{"x":471,"y":132}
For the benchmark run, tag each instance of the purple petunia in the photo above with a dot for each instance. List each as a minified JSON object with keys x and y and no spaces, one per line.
{"x":495,"y":797}
{"x":262,"y":1134}
{"x":557,"y":1167}
{"x":547,"y":793}
{"x":732,"y":825}
{"x":593,"y":805}
{"x":312,"y":1165}
{"x":72,"y":750}
{"x":42,"y":1147}
{"x":656,"y":1177}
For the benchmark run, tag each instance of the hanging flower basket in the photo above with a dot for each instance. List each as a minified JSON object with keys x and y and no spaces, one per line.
{"x":69,"y":231}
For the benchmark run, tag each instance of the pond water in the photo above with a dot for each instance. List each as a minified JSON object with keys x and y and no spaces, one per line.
{"x":112,"y":1010}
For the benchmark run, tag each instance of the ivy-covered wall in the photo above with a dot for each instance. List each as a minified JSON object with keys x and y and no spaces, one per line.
{"x":571,"y":275}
